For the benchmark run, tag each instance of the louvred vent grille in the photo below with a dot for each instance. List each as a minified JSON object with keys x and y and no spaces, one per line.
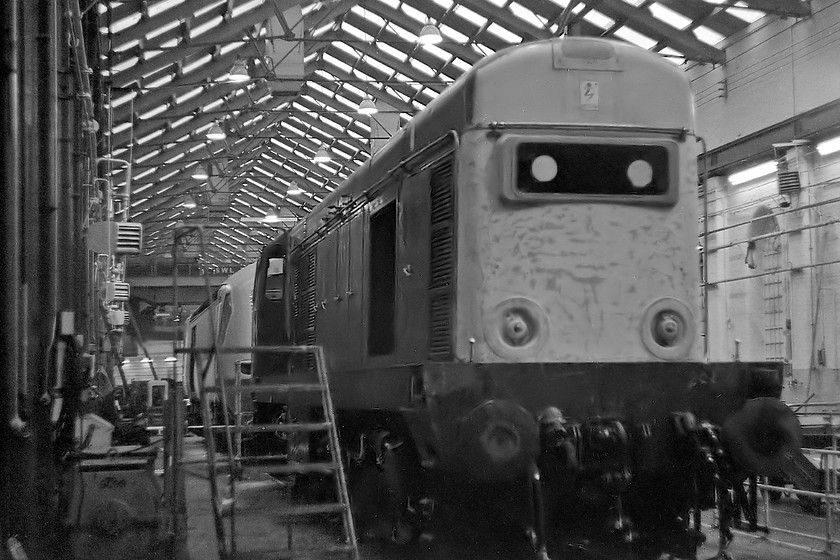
{"x":442,"y":261}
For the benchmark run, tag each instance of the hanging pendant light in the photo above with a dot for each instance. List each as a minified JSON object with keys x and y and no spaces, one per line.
{"x":238,"y":72}
{"x":294,"y":188}
{"x":322,"y":155}
{"x":430,"y":34}
{"x":367,"y":106}
{"x":216,"y":132}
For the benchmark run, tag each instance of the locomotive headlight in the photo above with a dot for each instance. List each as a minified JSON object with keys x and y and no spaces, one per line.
{"x":640,"y":173}
{"x":668,"y":328}
{"x":544,"y":168}
{"x":516,"y":328}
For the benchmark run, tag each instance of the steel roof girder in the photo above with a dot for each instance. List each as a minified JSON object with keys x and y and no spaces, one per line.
{"x":318,"y":18}
{"x":462,"y":51}
{"x":183,"y":182}
{"x":645,"y":23}
{"x":710,"y":15}
{"x":306,"y":165}
{"x":309,"y":96}
{"x":395,"y":102}
{"x":177,"y":191}
{"x":783,"y":8}
{"x":143,"y":127}
{"x":507,"y":19}
{"x":315,"y":123}
{"x":181,"y":12}
{"x":401,"y":67}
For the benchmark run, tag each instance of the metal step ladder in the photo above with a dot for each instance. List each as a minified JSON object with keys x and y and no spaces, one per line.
{"x":224,"y":508}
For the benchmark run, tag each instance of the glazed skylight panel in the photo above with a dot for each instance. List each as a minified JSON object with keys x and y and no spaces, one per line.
{"x":669,"y":16}
{"x":707,"y":35}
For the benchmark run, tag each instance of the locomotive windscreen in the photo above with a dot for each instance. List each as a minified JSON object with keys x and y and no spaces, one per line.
{"x":599,"y":169}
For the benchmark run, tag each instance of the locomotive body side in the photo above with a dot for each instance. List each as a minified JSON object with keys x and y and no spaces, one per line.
{"x":225,"y":320}
{"x":518,"y":268}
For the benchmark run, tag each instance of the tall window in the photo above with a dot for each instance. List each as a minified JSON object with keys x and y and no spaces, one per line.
{"x":382,"y":266}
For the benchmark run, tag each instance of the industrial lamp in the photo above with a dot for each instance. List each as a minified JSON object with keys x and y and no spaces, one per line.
{"x":294,"y":188}
{"x":322,"y":155}
{"x":238,"y":72}
{"x":430,"y":34}
{"x":216,"y":132}
{"x":367,"y":106}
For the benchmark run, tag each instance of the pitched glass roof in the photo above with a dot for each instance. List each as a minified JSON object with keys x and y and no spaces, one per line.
{"x":165,"y":69}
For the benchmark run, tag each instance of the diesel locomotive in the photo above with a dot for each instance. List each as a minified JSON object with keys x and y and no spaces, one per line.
{"x":223,"y":320}
{"x":508,"y":296}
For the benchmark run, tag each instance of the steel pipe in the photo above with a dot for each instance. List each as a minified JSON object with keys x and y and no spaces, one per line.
{"x":10,"y":219}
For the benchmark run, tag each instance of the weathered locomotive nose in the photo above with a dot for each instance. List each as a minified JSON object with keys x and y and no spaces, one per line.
{"x":498,"y":440}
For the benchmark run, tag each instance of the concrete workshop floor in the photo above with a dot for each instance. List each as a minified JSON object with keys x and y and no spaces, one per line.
{"x":259,"y":531}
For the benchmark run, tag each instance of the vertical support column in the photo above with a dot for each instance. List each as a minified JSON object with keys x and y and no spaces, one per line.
{"x":12,"y":501}
{"x":716,"y":271}
{"x":802,"y":279}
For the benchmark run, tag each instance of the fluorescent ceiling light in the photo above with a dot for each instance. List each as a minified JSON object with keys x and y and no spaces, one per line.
{"x":274,"y":218}
{"x":754,"y":172}
{"x":829,"y":146}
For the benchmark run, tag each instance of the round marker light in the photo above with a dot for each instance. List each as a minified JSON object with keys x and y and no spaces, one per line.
{"x":640,"y":173}
{"x":517,"y":330}
{"x":544,"y":168}
{"x":667,"y":328}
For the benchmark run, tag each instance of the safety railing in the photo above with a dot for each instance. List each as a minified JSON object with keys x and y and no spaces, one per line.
{"x":829,"y":497}
{"x":817,"y":419}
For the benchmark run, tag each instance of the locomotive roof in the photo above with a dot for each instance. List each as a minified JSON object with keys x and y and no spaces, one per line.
{"x":454,"y":109}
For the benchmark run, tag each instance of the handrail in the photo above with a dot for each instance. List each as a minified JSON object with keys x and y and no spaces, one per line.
{"x":830,"y":495}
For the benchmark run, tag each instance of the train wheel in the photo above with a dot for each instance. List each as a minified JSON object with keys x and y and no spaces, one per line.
{"x":383,"y":480}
